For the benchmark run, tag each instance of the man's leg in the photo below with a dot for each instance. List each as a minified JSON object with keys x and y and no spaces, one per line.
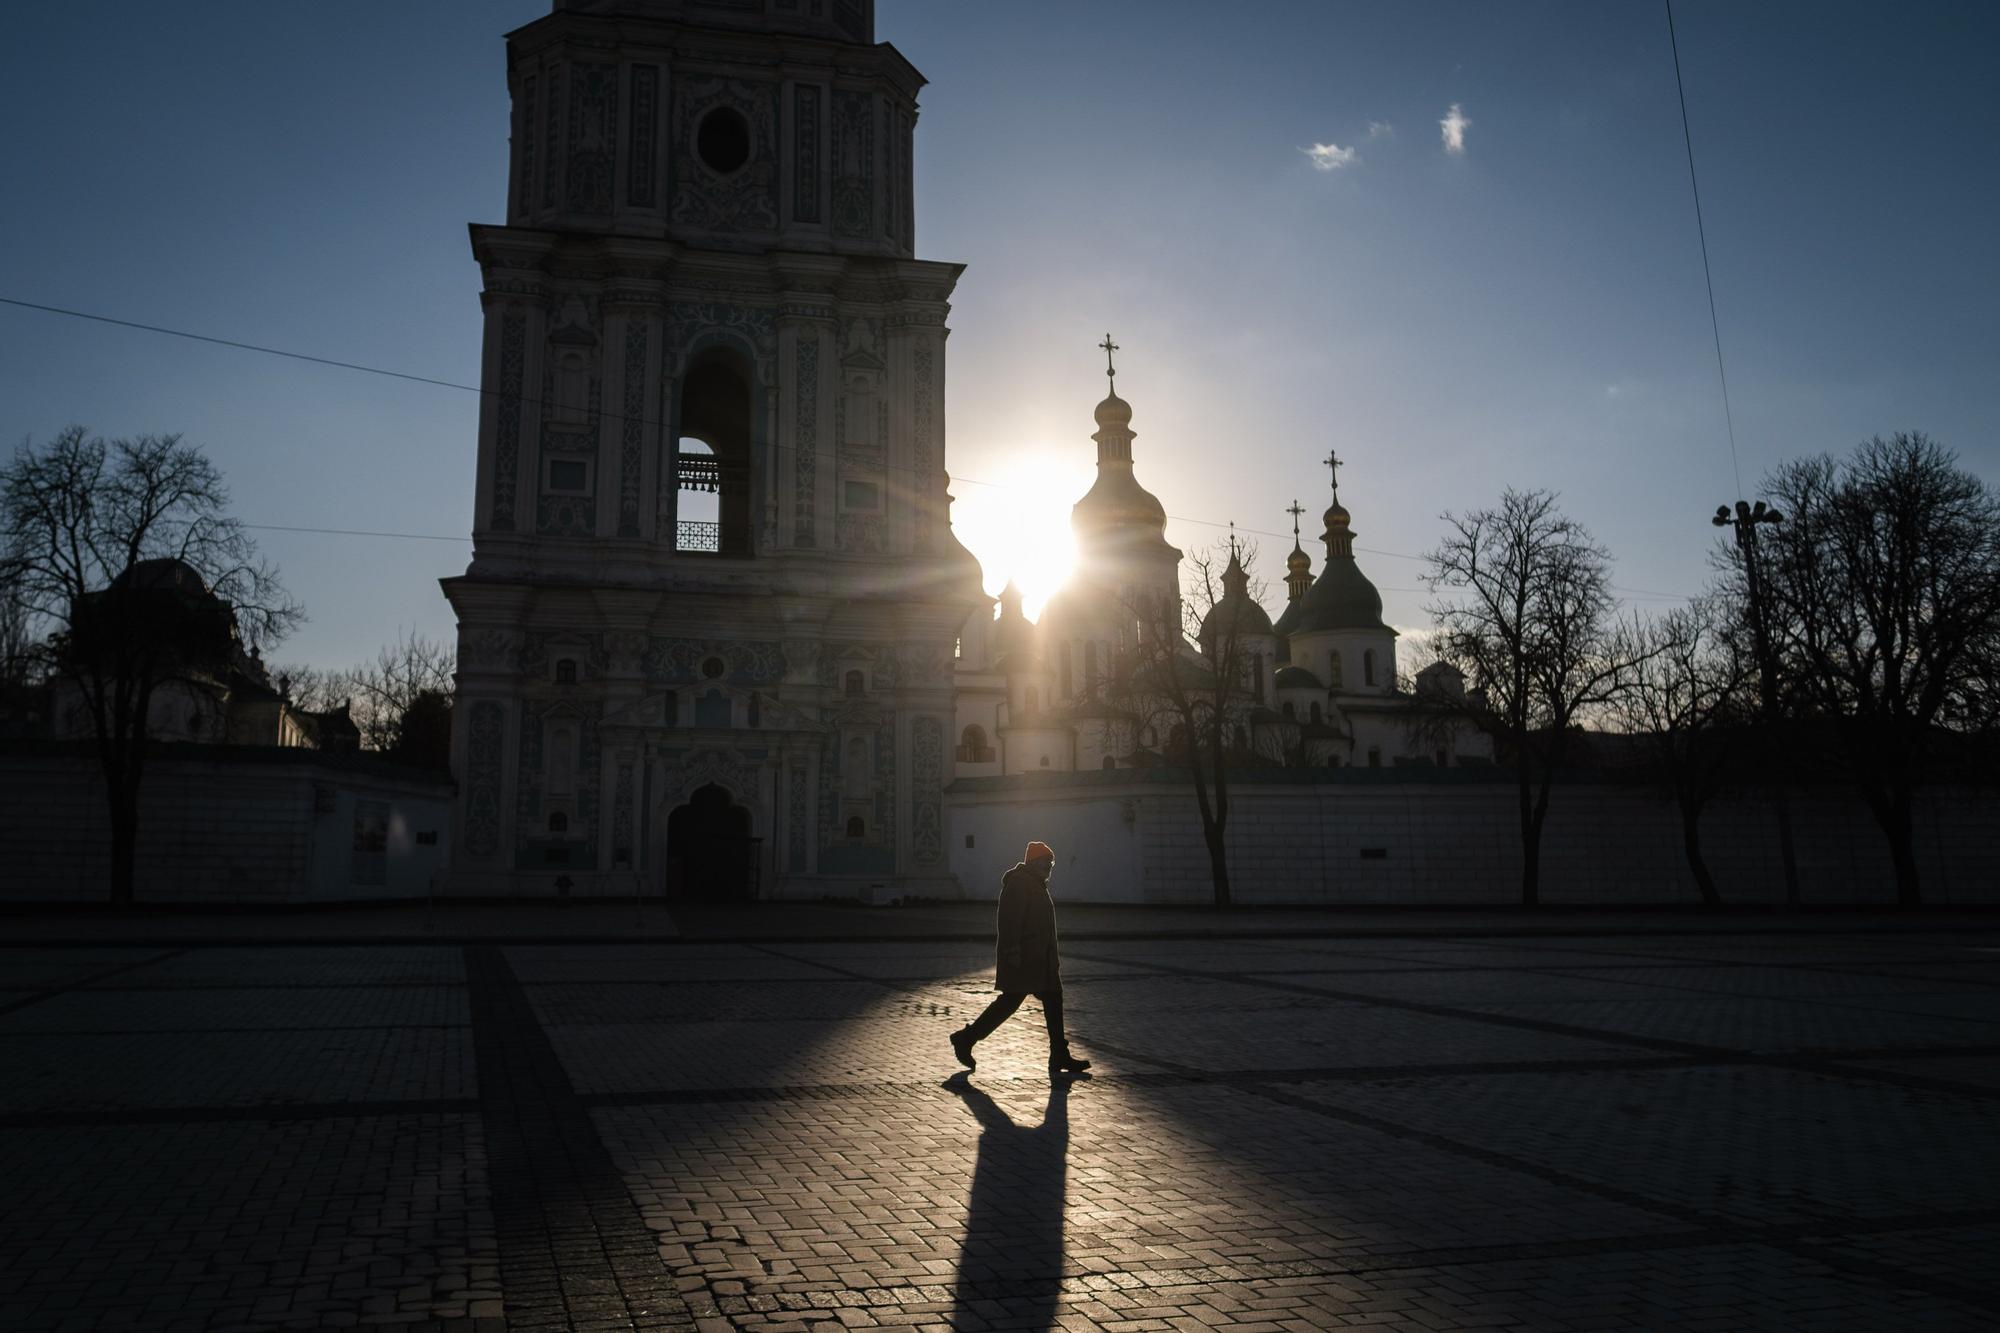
{"x":1004,"y":1004}
{"x":1052,"y":1013}
{"x":1060,"y":1060}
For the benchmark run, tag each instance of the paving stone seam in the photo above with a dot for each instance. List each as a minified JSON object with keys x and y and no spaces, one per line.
{"x":274,"y":1113}
{"x":234,"y":1032}
{"x":797,"y":1296}
{"x":574,"y":1246}
{"x":275,"y":985}
{"x":1914,"y":1082}
{"x":1985,"y":922}
{"x":51,"y":992}
{"x":1695,"y":1217}
{"x":1835,"y":970}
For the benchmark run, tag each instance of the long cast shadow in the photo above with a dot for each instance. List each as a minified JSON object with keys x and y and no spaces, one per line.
{"x":1010,"y":1265}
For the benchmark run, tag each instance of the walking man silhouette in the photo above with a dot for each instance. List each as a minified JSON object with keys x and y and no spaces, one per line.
{"x":1025,"y":962}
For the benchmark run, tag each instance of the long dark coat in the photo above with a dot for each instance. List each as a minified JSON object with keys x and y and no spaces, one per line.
{"x":1025,"y":959}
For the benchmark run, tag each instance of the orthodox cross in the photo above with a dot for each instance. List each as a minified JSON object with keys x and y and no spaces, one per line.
{"x":1295,"y":511}
{"x":1334,"y":460}
{"x":1110,"y":371}
{"x":1232,"y":539}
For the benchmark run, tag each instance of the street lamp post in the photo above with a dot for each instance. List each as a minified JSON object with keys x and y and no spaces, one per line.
{"x":1746,"y":518}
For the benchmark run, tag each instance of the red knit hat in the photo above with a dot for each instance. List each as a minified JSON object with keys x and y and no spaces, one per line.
{"x":1038,"y":851}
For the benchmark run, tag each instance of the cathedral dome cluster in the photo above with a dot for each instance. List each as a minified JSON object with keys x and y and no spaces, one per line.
{"x":1317,"y":686}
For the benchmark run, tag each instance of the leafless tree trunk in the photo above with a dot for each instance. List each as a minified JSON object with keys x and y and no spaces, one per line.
{"x":1689,"y":696}
{"x":1525,"y":613}
{"x":1201,"y":695}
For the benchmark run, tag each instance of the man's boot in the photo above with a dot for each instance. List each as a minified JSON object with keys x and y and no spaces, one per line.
{"x":1062,"y":1063}
{"x":961,"y":1046}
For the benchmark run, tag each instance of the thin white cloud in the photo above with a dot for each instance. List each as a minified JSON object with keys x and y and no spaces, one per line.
{"x":1380,"y":129}
{"x":1331,"y":156}
{"x":1454,"y":126}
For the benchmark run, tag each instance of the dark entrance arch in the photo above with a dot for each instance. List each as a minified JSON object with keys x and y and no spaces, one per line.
{"x":710,"y":853}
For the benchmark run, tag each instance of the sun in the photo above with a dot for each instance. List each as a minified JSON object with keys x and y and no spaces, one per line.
{"x":1018,"y":525}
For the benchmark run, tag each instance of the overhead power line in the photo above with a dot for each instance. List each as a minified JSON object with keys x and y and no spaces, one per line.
{"x":481,"y":391}
{"x":1708,"y":278}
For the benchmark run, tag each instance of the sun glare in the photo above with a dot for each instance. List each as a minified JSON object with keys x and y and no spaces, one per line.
{"x":1019,"y":527}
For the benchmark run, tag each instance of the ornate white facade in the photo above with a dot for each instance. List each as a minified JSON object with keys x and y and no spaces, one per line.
{"x":705,"y":638}
{"x":1319,"y":685}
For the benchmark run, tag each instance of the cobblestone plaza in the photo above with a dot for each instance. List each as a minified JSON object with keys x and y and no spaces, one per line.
{"x":1308,"y":1129}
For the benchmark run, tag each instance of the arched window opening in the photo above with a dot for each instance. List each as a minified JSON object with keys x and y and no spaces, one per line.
{"x":1368,"y":666}
{"x":712,"y":461}
{"x":1374,"y":757}
{"x":1443,"y":759}
{"x":972,"y":748}
{"x":670,"y":709}
{"x":565,"y":671}
{"x":1064,"y":684}
{"x":1045,"y":761}
{"x":856,"y":827}
{"x":1242,"y":737}
{"x":1090,"y":667}
{"x":1333,"y":670}
{"x":854,"y":685}
{"x":1317,"y":717}
{"x":1290,"y":712}
{"x":754,"y":712}
{"x":1257,"y":676}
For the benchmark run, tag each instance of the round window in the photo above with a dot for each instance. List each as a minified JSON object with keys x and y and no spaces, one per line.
{"x":712,"y":668}
{"x":723,"y":140}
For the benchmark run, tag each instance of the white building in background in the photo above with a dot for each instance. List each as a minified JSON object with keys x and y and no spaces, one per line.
{"x":1321,"y":687}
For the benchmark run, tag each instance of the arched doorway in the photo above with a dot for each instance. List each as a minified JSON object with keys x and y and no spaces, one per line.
{"x":711,"y":856}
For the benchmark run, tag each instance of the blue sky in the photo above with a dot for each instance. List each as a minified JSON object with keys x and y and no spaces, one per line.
{"x":1526,"y":312}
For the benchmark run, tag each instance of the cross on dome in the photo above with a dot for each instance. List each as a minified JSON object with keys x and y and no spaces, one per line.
{"x":1110,"y":370}
{"x":1295,"y":511}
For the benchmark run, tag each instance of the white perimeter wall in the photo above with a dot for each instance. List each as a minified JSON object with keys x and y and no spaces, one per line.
{"x":217,"y":830}
{"x":1459,"y":843}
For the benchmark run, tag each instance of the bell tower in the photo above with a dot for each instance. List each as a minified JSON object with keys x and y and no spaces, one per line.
{"x":711,"y":535}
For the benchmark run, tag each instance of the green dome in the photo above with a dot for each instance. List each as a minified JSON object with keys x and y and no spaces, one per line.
{"x":1340,"y":598}
{"x":1236,"y":609}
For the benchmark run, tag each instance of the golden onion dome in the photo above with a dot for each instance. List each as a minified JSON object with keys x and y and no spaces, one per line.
{"x":1116,"y":508}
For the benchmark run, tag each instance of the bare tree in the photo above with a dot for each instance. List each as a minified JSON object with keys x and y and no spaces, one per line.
{"x":127,"y":553}
{"x":414,"y":672}
{"x":1689,"y":701}
{"x":1882,"y":591}
{"x":1527,"y":617}
{"x":1199,"y":698}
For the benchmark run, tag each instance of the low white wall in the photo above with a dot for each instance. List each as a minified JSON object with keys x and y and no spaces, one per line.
{"x":219,"y":824}
{"x":1139,"y":840}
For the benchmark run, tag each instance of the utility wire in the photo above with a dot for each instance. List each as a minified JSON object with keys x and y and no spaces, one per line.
{"x":1714,"y":325}
{"x":525,"y":398}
